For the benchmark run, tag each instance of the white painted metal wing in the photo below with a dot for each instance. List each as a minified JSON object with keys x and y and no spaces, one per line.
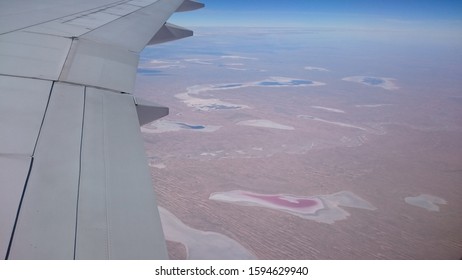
{"x":74,"y":183}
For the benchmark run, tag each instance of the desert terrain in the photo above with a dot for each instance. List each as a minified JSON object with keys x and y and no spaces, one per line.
{"x":306,"y":144}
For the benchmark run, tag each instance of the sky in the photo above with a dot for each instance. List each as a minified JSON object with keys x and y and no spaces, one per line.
{"x":326,"y":13}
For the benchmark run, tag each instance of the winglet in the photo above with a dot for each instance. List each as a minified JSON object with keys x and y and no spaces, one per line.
{"x":189,"y":5}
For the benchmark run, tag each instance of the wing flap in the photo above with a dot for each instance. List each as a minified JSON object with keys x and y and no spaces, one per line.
{"x":118,"y":217}
{"x":46,"y":221}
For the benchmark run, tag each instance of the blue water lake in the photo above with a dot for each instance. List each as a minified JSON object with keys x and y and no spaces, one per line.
{"x":289,"y":83}
{"x":188,"y":126}
{"x":373,"y":81}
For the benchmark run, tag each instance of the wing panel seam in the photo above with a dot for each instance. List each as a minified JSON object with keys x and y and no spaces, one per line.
{"x":10,"y":244}
{"x":106,"y":179}
{"x":43,"y":119}
{"x":80,"y":171}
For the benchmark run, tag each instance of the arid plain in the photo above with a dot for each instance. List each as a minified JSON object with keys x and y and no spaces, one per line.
{"x":306,"y":144}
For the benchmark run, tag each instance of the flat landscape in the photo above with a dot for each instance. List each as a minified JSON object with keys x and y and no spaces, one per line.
{"x":306,"y":144}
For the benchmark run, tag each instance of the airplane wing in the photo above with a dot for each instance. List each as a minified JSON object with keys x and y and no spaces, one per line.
{"x":74,"y":181}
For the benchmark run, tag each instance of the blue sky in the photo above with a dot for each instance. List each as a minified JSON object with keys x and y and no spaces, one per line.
{"x":326,"y":13}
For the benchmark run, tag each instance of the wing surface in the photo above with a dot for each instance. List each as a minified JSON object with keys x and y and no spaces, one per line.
{"x":74,"y":183}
